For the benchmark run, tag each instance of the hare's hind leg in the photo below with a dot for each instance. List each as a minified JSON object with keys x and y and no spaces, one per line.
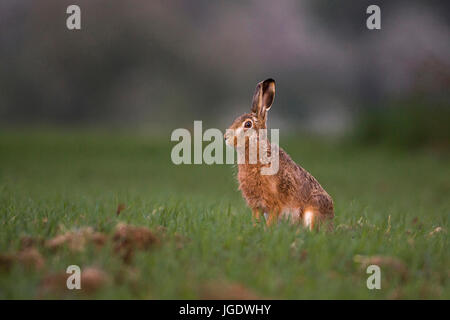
{"x":320,"y":212}
{"x":326,"y":220}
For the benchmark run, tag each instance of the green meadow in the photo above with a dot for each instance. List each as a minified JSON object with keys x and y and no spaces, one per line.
{"x":392,"y":208}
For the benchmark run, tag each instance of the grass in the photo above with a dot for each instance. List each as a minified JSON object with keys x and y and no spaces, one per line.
{"x":54,"y":182}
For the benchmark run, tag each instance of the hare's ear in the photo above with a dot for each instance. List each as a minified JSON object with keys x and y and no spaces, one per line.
{"x":263,"y":97}
{"x":268,"y":93}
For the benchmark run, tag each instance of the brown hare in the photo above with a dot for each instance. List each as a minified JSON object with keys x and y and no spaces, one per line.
{"x":291,"y":191}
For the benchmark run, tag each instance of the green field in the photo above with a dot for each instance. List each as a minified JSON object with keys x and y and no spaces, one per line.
{"x":388,"y":203}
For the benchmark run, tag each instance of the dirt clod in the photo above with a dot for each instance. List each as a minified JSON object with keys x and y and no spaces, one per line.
{"x":129,"y":238}
{"x":383,"y":261}
{"x":92,"y":279}
{"x":29,"y":258}
{"x":77,"y":240}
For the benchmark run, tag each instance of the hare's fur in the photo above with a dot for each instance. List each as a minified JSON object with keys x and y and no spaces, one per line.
{"x":292,"y":191}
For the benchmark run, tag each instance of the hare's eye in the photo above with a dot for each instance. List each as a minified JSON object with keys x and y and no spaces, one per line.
{"x":248,"y":124}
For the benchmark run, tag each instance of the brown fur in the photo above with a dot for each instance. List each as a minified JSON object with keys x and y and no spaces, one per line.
{"x":292,"y":190}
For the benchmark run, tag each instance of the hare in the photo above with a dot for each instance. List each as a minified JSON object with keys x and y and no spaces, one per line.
{"x":292,"y":191}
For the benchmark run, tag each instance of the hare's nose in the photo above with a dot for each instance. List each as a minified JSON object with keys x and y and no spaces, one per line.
{"x":225,"y":136}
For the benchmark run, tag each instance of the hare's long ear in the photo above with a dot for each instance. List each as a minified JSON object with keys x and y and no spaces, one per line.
{"x":263,"y":97}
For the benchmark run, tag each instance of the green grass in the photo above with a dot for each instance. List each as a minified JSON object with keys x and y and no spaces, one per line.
{"x":54,"y":182}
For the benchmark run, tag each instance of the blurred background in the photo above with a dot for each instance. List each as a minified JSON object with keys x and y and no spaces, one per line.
{"x":158,"y":65}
